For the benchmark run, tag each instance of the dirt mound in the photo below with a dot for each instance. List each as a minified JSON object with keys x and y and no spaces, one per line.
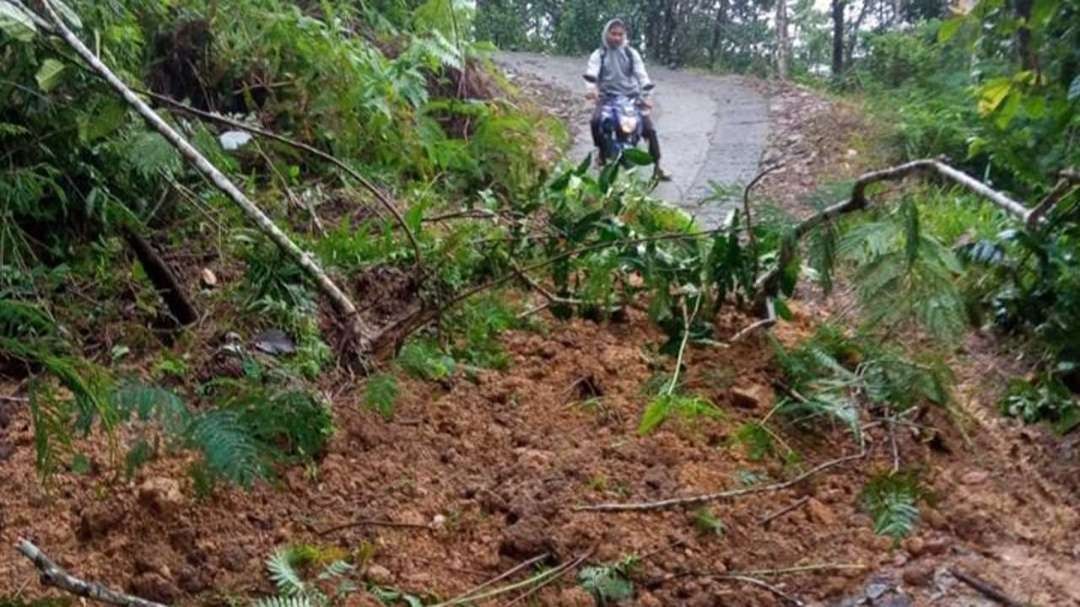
{"x":493,"y":466}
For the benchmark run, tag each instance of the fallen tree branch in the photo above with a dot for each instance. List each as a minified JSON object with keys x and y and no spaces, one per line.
{"x":985,"y":589}
{"x":764,"y":323}
{"x":55,"y":576}
{"x":502,"y":576}
{"x":1067,"y":182}
{"x":366,"y":183}
{"x":767,"y":284}
{"x":712,"y":497}
{"x":161,"y":275}
{"x":341,"y":302}
{"x":746,"y":205}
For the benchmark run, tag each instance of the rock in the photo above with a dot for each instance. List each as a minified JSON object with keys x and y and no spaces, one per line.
{"x":150,"y":560}
{"x":648,"y":600}
{"x":208,"y":278}
{"x":274,"y":342}
{"x":98,"y":520}
{"x":192,"y":580}
{"x":915,"y":546}
{"x":525,"y":539}
{"x":233,"y":558}
{"x":819,"y":513}
{"x":379,"y":575}
{"x":161,"y":495}
{"x":918,"y":574}
{"x":975,"y":477}
{"x":745,"y":398}
{"x":938,"y":545}
{"x":438,"y":521}
{"x":575,"y":596}
{"x":154,"y":587}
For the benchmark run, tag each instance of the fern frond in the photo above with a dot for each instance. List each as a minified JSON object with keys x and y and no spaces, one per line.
{"x":892,"y":500}
{"x":227,"y":446}
{"x":284,"y":601}
{"x":153,"y":403}
{"x":282,"y":567}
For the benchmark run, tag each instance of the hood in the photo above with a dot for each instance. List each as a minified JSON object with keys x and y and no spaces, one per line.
{"x":603,"y":35}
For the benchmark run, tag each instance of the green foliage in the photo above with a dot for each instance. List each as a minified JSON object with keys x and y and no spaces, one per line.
{"x":1046,"y":399}
{"x":424,"y":360}
{"x":892,"y":500}
{"x":293,"y":571}
{"x":665,"y":406}
{"x":756,"y":439}
{"x":609,"y":584}
{"x":707,"y":523}
{"x":831,"y":377}
{"x":381,"y":393}
{"x":903,"y":274}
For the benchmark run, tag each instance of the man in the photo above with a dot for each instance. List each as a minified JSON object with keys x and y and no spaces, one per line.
{"x":617,"y":69}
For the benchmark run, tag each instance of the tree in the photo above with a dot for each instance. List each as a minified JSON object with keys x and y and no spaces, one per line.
{"x":783,"y":42}
{"x":838,"y":7}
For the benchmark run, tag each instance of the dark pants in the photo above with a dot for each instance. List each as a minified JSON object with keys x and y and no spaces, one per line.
{"x":648,"y":130}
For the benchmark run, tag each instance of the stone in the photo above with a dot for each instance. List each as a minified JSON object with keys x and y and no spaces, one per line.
{"x":97,"y":520}
{"x":161,"y":495}
{"x":819,"y":513}
{"x":154,"y":587}
{"x":208,"y":278}
{"x":975,"y":477}
{"x":379,"y":575}
{"x":918,"y":574}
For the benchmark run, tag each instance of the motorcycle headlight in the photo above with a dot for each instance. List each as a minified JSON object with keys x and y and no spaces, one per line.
{"x":628,"y":124}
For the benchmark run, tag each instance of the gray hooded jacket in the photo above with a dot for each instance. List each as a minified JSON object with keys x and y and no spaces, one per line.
{"x":616,"y":71}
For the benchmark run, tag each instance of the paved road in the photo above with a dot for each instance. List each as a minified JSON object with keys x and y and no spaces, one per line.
{"x":712,"y":128}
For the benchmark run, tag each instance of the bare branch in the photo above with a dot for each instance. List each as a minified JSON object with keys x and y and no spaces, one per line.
{"x":985,"y":589}
{"x":764,"y":522}
{"x":764,"y":323}
{"x":712,"y":497}
{"x":55,"y":576}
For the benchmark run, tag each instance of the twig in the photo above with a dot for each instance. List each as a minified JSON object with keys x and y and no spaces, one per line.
{"x":504,"y":575}
{"x":55,"y":576}
{"x":1066,"y":184}
{"x":549,"y":580}
{"x":14,"y":399}
{"x":746,"y":206}
{"x":895,"y":446}
{"x":985,"y":589}
{"x":764,"y":522}
{"x":374,"y":523}
{"x":762,"y":584}
{"x":517,"y":585}
{"x":764,"y":323}
{"x":711,"y":497}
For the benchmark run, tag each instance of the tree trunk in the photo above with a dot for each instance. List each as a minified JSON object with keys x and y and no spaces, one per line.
{"x":1023,"y":35}
{"x":170,"y":289}
{"x":838,"y":36}
{"x":718,"y":29}
{"x":853,"y":33}
{"x":783,"y":43}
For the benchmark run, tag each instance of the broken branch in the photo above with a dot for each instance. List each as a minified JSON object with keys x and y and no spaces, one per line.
{"x":985,"y":589}
{"x":55,"y":576}
{"x":712,"y":497}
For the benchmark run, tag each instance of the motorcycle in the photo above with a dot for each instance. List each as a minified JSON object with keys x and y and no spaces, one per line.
{"x":621,"y":125}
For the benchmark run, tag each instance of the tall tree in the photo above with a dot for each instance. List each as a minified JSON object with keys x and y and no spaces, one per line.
{"x":783,"y":42}
{"x":838,"y":7}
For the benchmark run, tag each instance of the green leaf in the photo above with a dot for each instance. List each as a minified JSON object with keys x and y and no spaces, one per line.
{"x":48,"y":75}
{"x":607,"y":583}
{"x":992,"y":94}
{"x":15,"y":23}
{"x":949,"y":28}
{"x":381,"y":393}
{"x":637,"y":157}
{"x":105,"y":120}
{"x":67,"y":13}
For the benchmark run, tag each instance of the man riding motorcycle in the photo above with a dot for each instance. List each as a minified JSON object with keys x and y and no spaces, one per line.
{"x":616,"y":69}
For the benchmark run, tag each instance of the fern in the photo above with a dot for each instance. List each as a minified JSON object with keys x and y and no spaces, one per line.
{"x":149,"y":153}
{"x":228,"y":448}
{"x":892,"y":500}
{"x":756,"y":439}
{"x":609,"y":584}
{"x":424,"y":360}
{"x":283,"y":569}
{"x":285,"y":601}
{"x":381,"y":393}
{"x":666,"y":405}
